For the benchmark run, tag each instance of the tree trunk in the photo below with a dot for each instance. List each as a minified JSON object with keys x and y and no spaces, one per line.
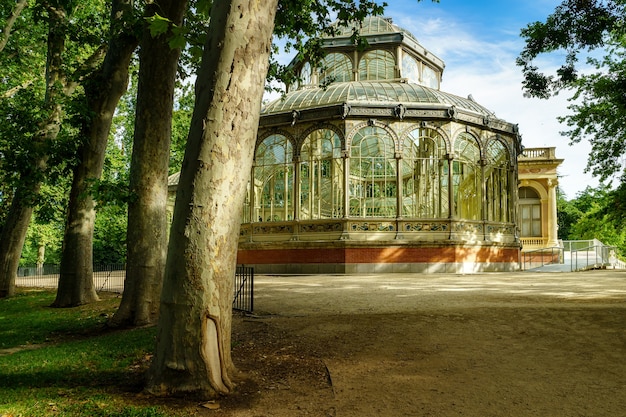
{"x":21,"y":209}
{"x":12,"y":242}
{"x":41,"y":256}
{"x":194,"y":332}
{"x":147,"y":210}
{"x":103,"y":92}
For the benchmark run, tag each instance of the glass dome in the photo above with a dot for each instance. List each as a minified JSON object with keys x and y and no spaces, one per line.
{"x":371,"y":93}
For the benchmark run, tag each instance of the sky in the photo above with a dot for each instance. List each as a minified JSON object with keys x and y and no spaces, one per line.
{"x":479,"y":42}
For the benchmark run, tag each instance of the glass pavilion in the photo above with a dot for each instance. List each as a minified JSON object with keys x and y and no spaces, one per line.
{"x":365,"y":165}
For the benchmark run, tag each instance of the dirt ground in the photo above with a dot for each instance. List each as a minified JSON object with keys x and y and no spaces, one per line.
{"x":517,"y":344}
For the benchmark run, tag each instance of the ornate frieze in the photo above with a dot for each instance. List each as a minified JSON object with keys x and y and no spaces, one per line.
{"x":501,"y":229}
{"x":321,"y":227}
{"x":372,"y":226}
{"x":272,"y":228}
{"x":425,"y":227}
{"x":464,"y":227}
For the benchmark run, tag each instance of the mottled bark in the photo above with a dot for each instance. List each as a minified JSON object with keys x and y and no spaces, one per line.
{"x":147,"y":210}
{"x":103,"y":91}
{"x":194,"y":332}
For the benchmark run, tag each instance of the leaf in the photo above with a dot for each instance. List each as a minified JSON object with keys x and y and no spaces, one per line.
{"x":158,"y":25}
{"x":178,"y":41}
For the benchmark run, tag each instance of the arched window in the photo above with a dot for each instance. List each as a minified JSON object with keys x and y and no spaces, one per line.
{"x":424,"y":171}
{"x":373,"y":190}
{"x":321,"y":176}
{"x":336,"y":67}
{"x":466,"y":178}
{"x":377,"y":65}
{"x":497,"y":182}
{"x":410,"y":69}
{"x":273,"y":180}
{"x":530,"y":212}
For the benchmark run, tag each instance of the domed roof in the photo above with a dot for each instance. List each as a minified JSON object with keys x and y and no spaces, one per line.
{"x":371,"y":93}
{"x":371,"y":25}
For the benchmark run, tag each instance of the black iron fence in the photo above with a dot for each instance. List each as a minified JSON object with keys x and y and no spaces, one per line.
{"x":110,"y":278}
{"x":106,"y":277}
{"x":244,"y":289}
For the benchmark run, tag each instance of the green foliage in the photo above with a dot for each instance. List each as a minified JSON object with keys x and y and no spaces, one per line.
{"x":567,"y":215}
{"x":46,"y":227}
{"x":47,"y":235}
{"x":158,"y":24}
{"x":574,"y":27}
{"x":109,"y":236}
{"x":599,"y":98}
{"x":181,"y":119}
{"x":593,"y":215}
{"x":26,"y":104}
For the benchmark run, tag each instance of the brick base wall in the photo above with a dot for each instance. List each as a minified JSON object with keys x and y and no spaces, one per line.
{"x":381,"y":259}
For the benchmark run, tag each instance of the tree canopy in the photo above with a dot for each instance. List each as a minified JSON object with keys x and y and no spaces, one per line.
{"x":594,"y":30}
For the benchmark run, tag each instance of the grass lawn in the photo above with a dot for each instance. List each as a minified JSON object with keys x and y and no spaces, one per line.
{"x":66,"y":362}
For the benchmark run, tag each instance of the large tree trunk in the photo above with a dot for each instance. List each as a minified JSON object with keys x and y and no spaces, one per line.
{"x":21,"y":209}
{"x":103,"y":92}
{"x":147,"y":210}
{"x":193,"y":353}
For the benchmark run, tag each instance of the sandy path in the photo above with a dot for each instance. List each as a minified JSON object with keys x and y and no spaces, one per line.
{"x":434,"y":345}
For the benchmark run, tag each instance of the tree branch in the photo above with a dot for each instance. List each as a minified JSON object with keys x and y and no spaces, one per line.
{"x":9,"y":93}
{"x":21,"y":4}
{"x":86,"y":69}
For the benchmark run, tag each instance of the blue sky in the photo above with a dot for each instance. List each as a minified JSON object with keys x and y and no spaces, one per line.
{"x":479,"y":41}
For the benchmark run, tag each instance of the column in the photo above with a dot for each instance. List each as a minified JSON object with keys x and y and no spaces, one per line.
{"x":296,"y":188}
{"x":399,"y":190}
{"x":553,"y":229}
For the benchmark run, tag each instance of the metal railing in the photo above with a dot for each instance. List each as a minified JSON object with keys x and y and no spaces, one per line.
{"x":574,"y":255}
{"x":110,"y":278}
{"x":541,"y":257}
{"x":593,"y":256}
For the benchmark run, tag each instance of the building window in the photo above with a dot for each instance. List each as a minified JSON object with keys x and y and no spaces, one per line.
{"x":372,"y":181}
{"x":305,"y":75}
{"x":466,"y":178}
{"x":430,"y":78}
{"x":377,"y":65}
{"x":424,"y":172}
{"x":530,"y":212}
{"x":273,"y":180}
{"x":336,"y":68}
{"x":410,"y":69}
{"x":321,"y":176}
{"x":497,"y":182}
